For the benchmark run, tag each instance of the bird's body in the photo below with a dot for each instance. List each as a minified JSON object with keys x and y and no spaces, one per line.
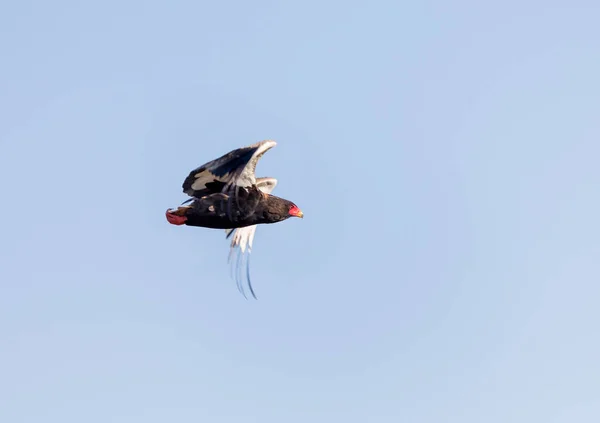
{"x":219,"y":211}
{"x":227,"y":195}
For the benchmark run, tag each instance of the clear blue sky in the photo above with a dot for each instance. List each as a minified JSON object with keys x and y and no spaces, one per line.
{"x":445,"y":155}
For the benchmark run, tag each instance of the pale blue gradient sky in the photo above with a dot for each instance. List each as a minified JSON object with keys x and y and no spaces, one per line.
{"x":445,"y":155}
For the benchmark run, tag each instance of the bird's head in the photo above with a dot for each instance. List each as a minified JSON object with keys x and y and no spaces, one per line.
{"x":279,"y":209}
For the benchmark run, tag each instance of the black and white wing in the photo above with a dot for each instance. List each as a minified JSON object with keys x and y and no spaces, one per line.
{"x":241,"y":242}
{"x":229,"y":172}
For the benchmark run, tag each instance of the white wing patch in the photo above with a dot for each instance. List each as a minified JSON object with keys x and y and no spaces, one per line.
{"x":266,"y":185}
{"x":241,"y":241}
{"x":202,"y":178}
{"x":242,"y":238}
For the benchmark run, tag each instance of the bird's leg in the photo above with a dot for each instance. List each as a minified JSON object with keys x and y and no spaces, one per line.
{"x":177,"y":217}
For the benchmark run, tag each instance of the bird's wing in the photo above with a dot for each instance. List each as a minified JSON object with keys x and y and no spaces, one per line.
{"x":228,"y":173}
{"x":241,"y":241}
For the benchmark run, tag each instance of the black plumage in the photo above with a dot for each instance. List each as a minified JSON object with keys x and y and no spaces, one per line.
{"x":219,"y":211}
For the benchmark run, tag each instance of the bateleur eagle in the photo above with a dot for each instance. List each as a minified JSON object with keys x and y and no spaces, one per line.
{"x":226,"y":194}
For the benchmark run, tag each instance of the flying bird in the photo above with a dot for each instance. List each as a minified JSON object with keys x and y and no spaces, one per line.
{"x":226,"y":194}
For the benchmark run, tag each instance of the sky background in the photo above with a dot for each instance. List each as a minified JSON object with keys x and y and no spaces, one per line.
{"x":445,"y":155}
